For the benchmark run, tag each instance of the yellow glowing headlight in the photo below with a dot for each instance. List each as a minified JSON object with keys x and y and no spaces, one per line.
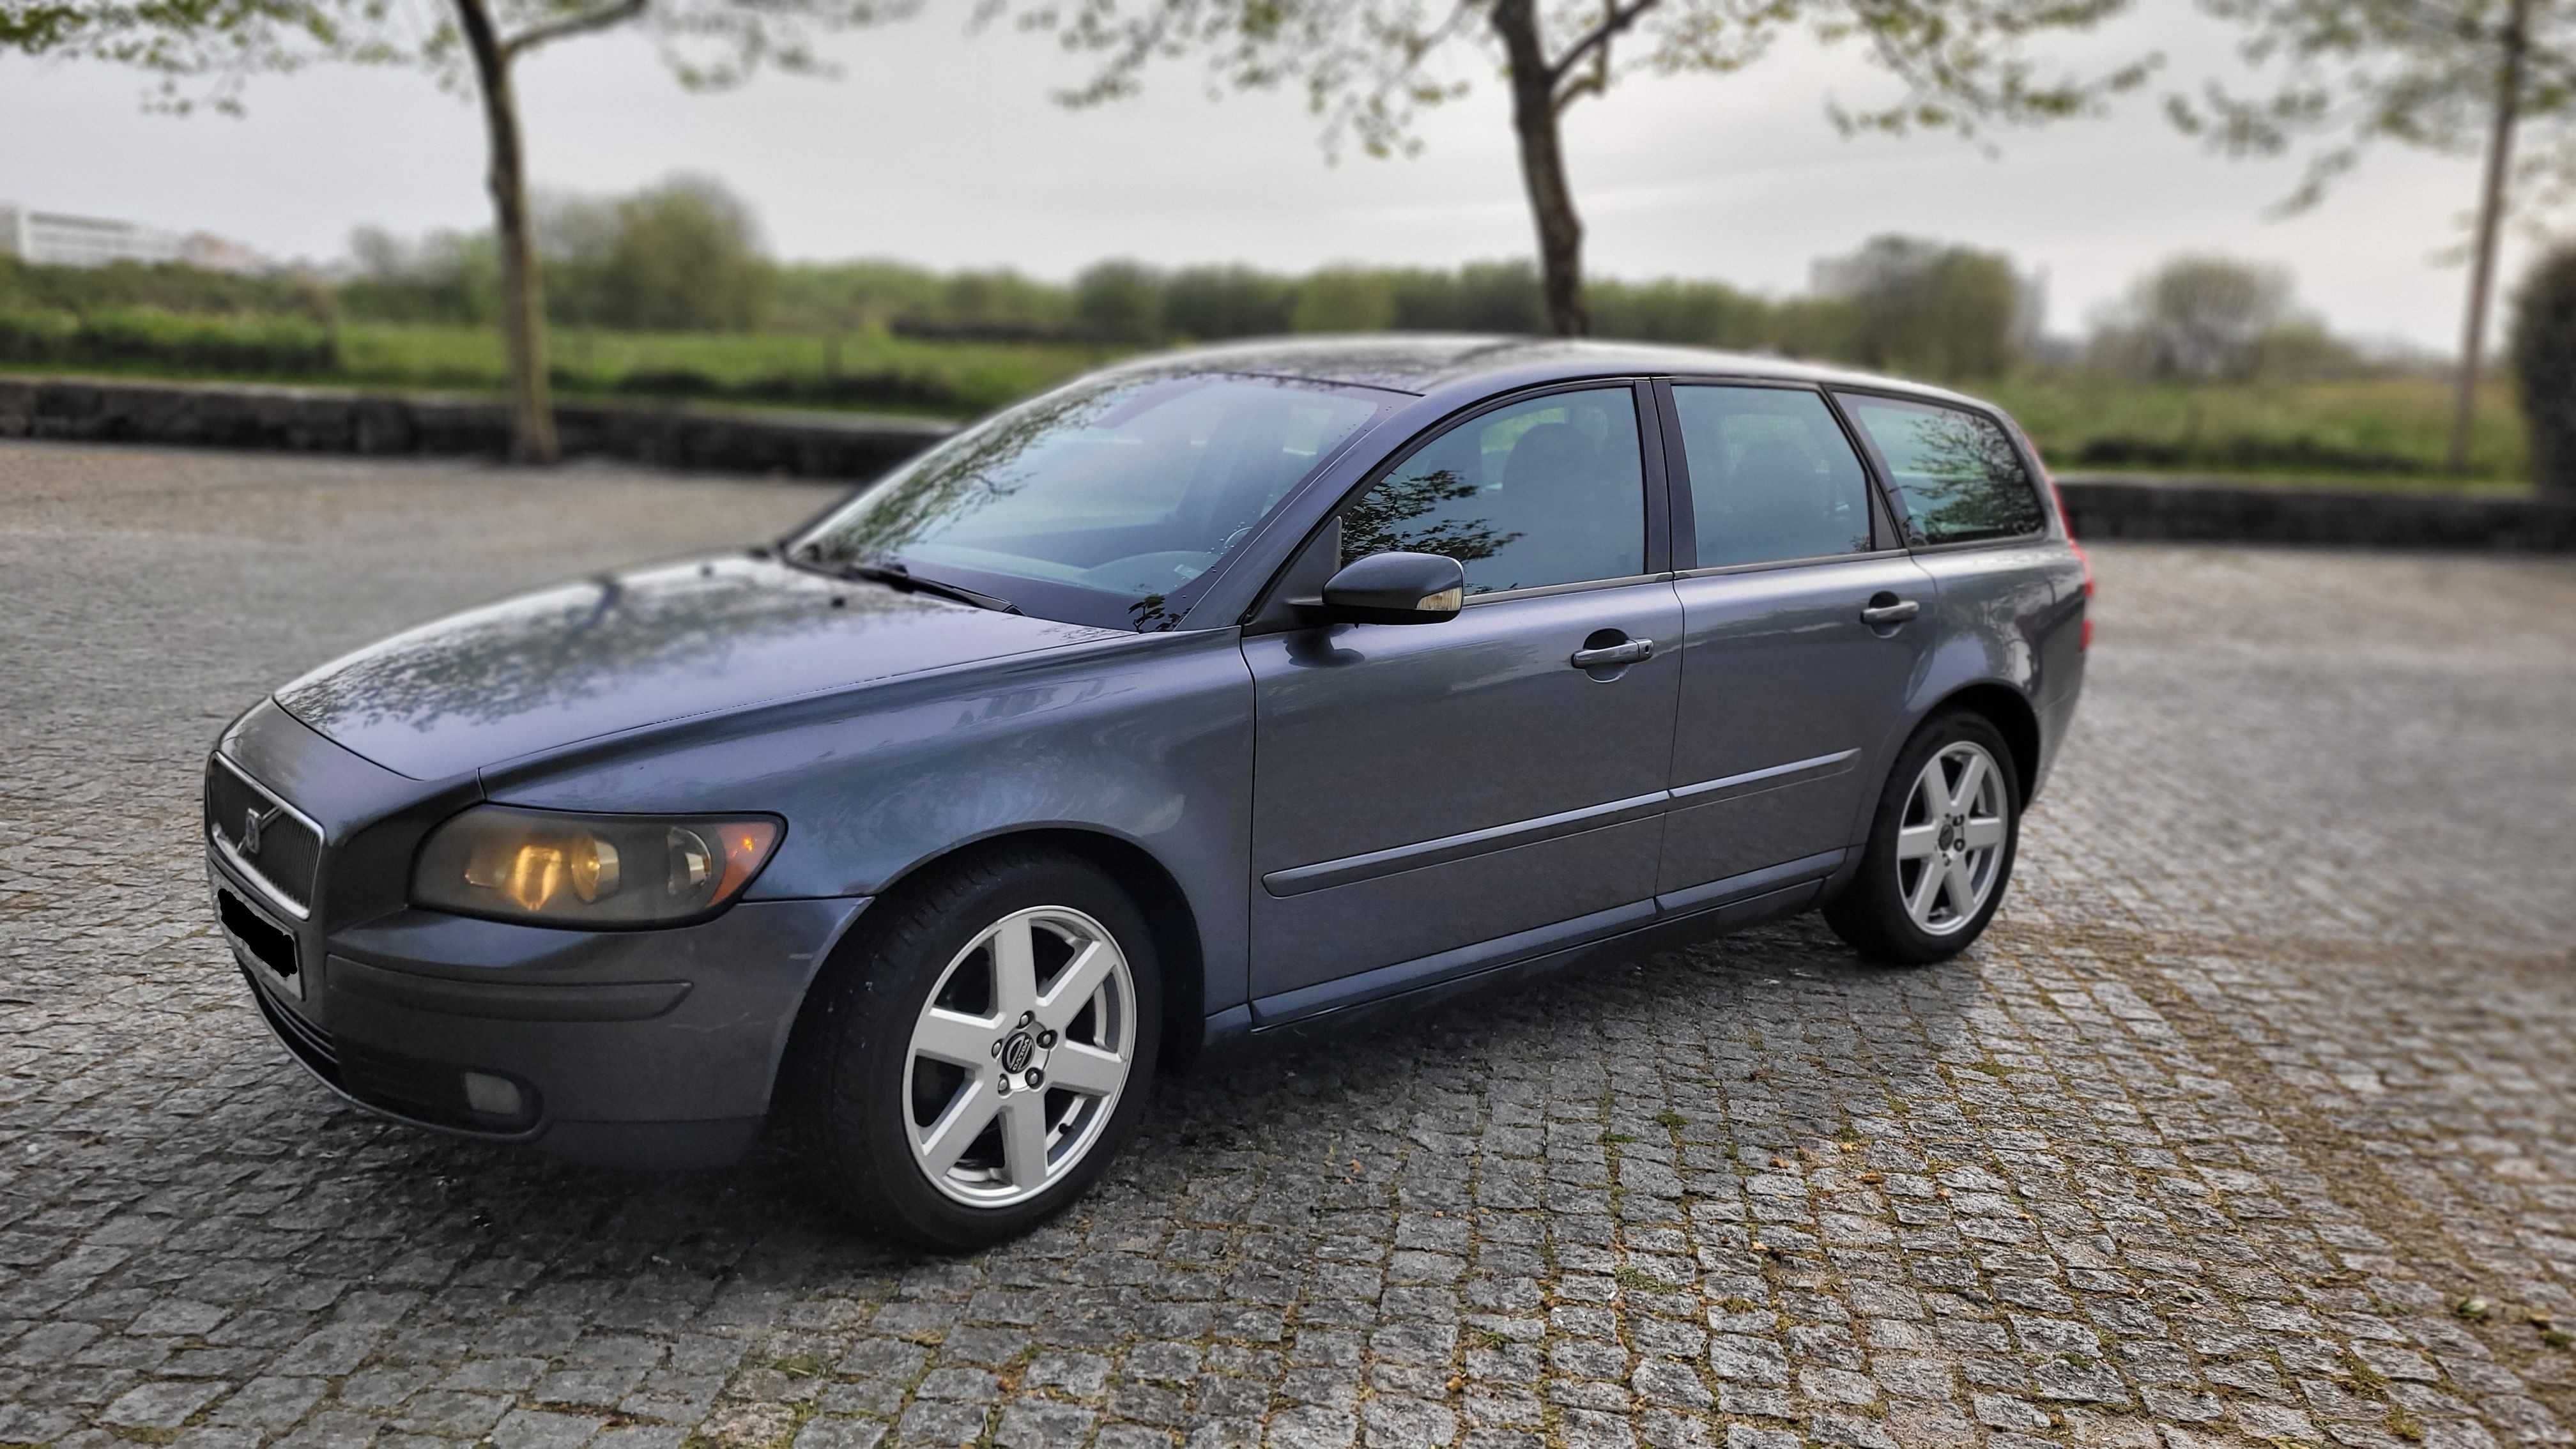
{"x":588,"y":870}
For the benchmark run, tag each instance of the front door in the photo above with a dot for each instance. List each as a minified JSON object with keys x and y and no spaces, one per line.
{"x":1804,"y":628}
{"x":1422,"y":790}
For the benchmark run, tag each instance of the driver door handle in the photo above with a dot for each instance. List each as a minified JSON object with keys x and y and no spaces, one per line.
{"x":1894,"y":611}
{"x":1633,"y":651}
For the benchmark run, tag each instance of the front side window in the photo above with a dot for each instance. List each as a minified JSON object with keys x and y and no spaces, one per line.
{"x":1102,"y":503}
{"x":1548,"y":491}
{"x":1960,"y":476}
{"x":1771,"y":476}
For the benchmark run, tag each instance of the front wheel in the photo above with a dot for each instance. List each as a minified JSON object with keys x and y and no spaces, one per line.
{"x":984,"y":1053}
{"x":1940,"y":848}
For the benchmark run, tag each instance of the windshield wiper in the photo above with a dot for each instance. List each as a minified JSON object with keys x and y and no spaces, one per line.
{"x":896,"y":575}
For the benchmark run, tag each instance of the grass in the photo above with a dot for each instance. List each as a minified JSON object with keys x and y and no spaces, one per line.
{"x":2387,"y":432}
{"x":872,"y":371}
{"x":2392,"y":430}
{"x":960,"y":378}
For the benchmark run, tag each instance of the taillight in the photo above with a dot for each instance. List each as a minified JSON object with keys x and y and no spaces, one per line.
{"x":2084,"y":633}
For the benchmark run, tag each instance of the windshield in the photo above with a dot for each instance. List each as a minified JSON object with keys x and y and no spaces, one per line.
{"x":1103,"y":503}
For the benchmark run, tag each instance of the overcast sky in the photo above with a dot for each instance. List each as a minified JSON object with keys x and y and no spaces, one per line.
{"x":941,"y":147}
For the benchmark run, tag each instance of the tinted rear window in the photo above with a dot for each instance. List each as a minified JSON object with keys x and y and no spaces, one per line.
{"x":1959,"y":474}
{"x":1772,"y":477}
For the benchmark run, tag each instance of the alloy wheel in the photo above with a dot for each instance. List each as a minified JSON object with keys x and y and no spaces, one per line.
{"x":1950,"y":842}
{"x":1019,"y":1056}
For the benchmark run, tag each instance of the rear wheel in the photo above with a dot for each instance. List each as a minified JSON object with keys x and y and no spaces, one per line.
{"x":1940,"y":848}
{"x":985,"y":1051}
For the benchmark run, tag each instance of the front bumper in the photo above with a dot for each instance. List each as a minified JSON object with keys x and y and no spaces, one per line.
{"x":634,"y":1048}
{"x":649,"y":1048}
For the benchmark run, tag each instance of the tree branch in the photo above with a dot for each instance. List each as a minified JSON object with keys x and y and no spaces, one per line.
{"x":578,"y":24}
{"x":1616,"y":19}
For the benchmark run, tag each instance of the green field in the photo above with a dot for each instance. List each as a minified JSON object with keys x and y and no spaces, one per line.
{"x":861,"y":369}
{"x":2389,"y":428}
{"x":2388,"y":431}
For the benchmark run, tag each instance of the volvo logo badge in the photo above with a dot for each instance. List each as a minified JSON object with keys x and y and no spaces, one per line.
{"x":253,"y":820}
{"x":1017,"y":1051}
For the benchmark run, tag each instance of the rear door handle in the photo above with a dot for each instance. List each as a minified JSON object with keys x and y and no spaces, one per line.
{"x":1895,"y":611}
{"x":1632,"y":652}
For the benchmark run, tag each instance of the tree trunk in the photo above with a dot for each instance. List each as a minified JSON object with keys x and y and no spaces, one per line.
{"x":2491,"y":200}
{"x":523,"y":302}
{"x":1560,"y":231}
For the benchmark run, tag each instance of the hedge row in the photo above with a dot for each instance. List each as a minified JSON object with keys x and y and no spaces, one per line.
{"x":132,"y":336}
{"x":2243,"y":453}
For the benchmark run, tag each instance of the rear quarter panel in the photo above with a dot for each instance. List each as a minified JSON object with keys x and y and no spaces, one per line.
{"x":2007,"y":614}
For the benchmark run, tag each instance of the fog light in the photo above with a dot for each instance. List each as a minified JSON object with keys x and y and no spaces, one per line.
{"x":493,"y":1096}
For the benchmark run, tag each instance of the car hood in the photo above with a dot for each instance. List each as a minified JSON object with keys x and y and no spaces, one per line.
{"x":626,"y":650}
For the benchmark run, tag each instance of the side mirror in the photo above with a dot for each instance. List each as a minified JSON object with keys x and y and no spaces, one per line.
{"x":1396,"y":588}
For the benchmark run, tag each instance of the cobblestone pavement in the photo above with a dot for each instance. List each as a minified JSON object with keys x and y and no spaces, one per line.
{"x":2249,"y":1122}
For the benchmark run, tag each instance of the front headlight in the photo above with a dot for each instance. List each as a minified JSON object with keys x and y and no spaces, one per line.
{"x":554,"y":869}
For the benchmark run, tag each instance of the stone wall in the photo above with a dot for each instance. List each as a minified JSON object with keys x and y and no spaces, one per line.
{"x":330,"y":420}
{"x":2220,"y":511}
{"x":826,"y":446}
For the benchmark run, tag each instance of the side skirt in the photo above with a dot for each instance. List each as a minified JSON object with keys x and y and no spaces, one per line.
{"x":1354,"y":1003}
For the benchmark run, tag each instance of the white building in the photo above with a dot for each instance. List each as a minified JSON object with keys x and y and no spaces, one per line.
{"x":58,"y":239}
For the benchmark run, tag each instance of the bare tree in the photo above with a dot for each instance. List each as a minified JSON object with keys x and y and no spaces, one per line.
{"x":2463,"y":77}
{"x":1369,"y":67}
{"x":205,"y":52}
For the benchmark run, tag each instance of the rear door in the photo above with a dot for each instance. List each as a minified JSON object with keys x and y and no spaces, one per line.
{"x":1422,"y":789}
{"x":1805,"y":624}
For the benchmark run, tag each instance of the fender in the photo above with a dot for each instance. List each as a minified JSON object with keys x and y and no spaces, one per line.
{"x":1145,"y":739}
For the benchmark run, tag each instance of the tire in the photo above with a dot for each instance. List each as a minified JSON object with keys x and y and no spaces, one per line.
{"x":884,"y":1095}
{"x":1875,"y":912}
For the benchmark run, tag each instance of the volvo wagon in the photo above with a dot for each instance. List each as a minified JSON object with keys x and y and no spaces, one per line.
{"x":1217,"y":695}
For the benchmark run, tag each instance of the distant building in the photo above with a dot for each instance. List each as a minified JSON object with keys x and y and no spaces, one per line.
{"x":219,"y":254}
{"x":58,"y":239}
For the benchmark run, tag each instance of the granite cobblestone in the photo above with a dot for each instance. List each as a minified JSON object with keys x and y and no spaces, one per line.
{"x":2259,"y":1084}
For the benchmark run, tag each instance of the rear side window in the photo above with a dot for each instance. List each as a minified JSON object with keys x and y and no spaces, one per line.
{"x":1771,"y":476}
{"x":1549,"y":491}
{"x":1959,"y":474}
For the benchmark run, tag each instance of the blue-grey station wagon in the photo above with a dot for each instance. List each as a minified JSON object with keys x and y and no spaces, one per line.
{"x":1218,"y":695}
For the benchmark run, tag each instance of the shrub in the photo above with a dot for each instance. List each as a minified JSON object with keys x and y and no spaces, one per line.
{"x":30,"y":335}
{"x":2544,"y":362}
{"x":1478,"y":297}
{"x":1208,"y":303}
{"x":2241,"y":453}
{"x":1119,"y":302}
{"x":1345,"y":299}
{"x":163,"y":286}
{"x":1705,"y":314}
{"x":206,"y":344}
{"x":147,"y":337}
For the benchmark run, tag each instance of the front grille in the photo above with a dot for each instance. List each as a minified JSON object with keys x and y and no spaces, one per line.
{"x":288,"y":850}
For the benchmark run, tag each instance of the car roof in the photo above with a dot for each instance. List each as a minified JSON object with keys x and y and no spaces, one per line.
{"x":1423,"y":362}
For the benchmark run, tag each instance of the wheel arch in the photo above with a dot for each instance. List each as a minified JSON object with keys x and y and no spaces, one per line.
{"x":2011,"y":713}
{"x":1178,"y":947}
